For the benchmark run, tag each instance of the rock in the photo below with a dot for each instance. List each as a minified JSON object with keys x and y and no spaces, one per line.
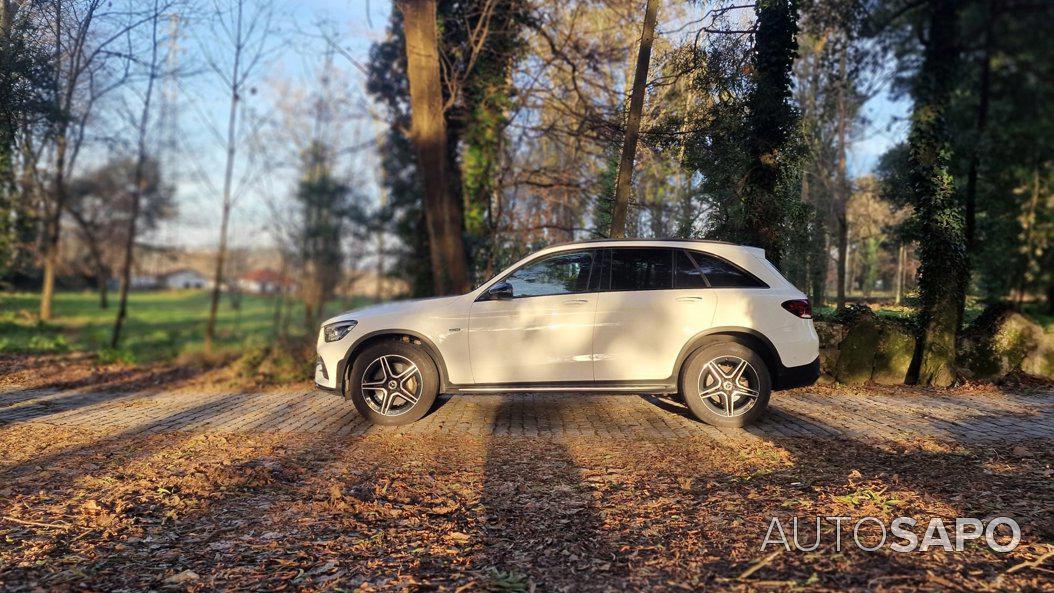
{"x":856,"y":353}
{"x":1040,"y":362}
{"x":1002,"y":341}
{"x":874,"y":350}
{"x":831,"y":334}
{"x":896,"y":348}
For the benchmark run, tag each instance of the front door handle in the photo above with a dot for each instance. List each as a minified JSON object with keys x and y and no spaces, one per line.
{"x":576,"y":301}
{"x":688,"y":299}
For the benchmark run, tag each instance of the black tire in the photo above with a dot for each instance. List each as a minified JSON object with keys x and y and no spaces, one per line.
{"x":398,"y":355}
{"x":729,"y":393}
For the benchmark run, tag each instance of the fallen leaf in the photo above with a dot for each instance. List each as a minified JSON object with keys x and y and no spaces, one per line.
{"x":183,"y":577}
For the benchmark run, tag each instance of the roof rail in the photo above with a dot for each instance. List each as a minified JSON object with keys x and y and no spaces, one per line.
{"x":670,"y":239}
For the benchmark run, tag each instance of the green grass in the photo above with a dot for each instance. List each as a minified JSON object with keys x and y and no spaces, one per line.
{"x":161,"y":325}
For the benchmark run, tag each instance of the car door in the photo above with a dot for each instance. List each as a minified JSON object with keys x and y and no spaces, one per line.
{"x":544,"y":332}
{"x":652,"y":301}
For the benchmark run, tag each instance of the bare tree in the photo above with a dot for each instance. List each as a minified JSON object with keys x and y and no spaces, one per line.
{"x":152,"y":71}
{"x":245,"y":28}
{"x":87,"y":65}
{"x":636,"y":105}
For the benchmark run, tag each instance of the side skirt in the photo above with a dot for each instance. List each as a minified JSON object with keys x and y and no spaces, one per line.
{"x":574,"y":387}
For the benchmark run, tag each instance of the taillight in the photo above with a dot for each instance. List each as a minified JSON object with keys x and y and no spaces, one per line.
{"x":799,"y":307}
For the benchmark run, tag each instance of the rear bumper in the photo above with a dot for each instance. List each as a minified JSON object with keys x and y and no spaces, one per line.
{"x":799,"y":376}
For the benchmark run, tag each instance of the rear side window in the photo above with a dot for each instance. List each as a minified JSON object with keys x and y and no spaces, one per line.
{"x":722,"y":274}
{"x":686,"y":273}
{"x":641,"y":269}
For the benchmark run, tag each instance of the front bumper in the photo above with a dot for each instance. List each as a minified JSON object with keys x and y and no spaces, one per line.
{"x":329,"y":362}
{"x":799,"y":376}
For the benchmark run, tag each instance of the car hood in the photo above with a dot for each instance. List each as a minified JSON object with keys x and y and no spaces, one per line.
{"x":394,"y":308}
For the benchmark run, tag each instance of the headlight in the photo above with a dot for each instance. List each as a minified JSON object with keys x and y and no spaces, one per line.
{"x":336,"y":331}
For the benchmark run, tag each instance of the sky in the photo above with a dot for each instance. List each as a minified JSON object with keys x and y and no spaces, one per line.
{"x":296,"y":58}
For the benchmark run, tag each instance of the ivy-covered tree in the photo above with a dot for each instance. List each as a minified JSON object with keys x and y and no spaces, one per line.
{"x":771,"y":123}
{"x":938,"y":216}
{"x":746,"y":145}
{"x":25,"y":103}
{"x":482,"y":119}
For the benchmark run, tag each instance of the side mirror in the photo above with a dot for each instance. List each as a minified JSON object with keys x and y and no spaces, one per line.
{"x":500,"y":291}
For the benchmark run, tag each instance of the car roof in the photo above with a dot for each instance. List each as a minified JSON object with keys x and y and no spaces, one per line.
{"x":717,"y":247}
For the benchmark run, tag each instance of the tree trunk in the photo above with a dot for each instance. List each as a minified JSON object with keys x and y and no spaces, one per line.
{"x":939,"y":218}
{"x":1030,"y":224}
{"x":8,"y":127}
{"x":443,"y":213}
{"x":126,"y":266}
{"x":53,"y":227}
{"x":898,"y":279}
{"x":771,"y":122}
{"x":624,"y":182}
{"x":841,"y":205}
{"x":380,"y":266}
{"x":138,"y":185}
{"x":981,"y":125}
{"x":842,"y":262}
{"x":1050,"y":297}
{"x":228,"y":176}
{"x":850,"y":271}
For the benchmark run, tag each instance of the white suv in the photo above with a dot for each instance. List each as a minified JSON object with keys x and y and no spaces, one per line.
{"x":713,"y":322}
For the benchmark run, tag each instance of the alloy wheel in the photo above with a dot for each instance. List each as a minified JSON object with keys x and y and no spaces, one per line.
{"x":391,"y":385}
{"x":729,"y":386}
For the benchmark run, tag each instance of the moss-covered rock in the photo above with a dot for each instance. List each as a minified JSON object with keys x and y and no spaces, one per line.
{"x":874,"y":350}
{"x":896,"y":347}
{"x":1000,"y":341}
{"x":831,"y":335}
{"x":1040,"y":362}
{"x":856,"y":354}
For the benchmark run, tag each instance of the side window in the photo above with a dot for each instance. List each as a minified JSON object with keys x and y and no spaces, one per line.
{"x":641,"y":269}
{"x":722,"y":274}
{"x":564,"y":273}
{"x":686,"y":273}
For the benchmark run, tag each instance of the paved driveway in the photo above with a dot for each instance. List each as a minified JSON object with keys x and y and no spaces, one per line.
{"x":869,"y":416}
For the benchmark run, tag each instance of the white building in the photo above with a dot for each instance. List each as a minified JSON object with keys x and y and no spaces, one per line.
{"x":182,"y":278}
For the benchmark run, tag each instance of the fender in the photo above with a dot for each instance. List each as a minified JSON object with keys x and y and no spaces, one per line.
{"x":362,"y":340}
{"x":746,"y":335}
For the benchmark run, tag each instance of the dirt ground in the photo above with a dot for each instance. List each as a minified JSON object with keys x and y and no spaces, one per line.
{"x":91,"y":508}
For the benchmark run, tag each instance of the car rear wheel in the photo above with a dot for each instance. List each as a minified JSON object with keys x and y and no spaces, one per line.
{"x":394,"y":383}
{"x":726,"y":384}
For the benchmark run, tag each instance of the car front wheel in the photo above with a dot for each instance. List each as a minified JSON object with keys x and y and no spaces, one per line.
{"x":726,"y":384}
{"x":393,"y":383}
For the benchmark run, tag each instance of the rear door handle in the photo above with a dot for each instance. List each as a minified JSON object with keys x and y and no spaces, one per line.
{"x":576,"y":301}
{"x":688,"y":299}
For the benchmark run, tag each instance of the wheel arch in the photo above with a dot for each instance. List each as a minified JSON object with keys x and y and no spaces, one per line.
{"x":751,"y":338}
{"x":385,"y":335}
